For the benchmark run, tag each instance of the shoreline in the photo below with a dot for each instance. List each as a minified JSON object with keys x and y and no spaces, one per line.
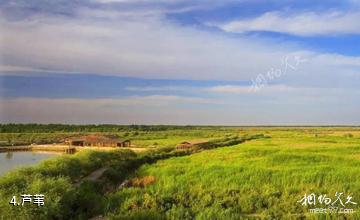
{"x":62,"y":148}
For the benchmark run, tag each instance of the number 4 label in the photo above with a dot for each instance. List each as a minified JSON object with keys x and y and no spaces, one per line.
{"x":13,"y":201}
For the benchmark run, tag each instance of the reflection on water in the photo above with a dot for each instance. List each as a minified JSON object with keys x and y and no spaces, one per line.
{"x":9,"y":155}
{"x":11,"y":160}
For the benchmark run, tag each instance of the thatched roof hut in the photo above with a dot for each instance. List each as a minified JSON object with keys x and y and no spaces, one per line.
{"x":97,"y":141}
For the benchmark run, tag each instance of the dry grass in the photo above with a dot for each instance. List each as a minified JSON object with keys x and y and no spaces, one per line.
{"x":142,"y":182}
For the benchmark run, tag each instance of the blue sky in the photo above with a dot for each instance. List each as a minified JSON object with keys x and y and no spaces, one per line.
{"x":230,"y":62}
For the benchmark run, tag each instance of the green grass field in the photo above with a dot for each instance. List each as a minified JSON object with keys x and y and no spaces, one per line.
{"x":258,"y":179}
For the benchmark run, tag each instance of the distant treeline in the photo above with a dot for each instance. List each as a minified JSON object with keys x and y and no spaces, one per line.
{"x":49,"y":128}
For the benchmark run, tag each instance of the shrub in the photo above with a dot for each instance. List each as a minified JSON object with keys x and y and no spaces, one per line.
{"x":349,"y":135}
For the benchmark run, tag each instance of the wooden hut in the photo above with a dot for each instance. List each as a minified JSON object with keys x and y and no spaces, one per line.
{"x":190,"y":144}
{"x":97,"y":141}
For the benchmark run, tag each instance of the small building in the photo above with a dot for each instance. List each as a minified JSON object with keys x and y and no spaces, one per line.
{"x":190,"y":144}
{"x":97,"y":141}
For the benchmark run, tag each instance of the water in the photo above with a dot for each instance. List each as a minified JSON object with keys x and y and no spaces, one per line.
{"x":11,"y":160}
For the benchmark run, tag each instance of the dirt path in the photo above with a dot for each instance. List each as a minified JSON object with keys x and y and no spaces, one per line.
{"x":92,"y":176}
{"x":96,"y":174}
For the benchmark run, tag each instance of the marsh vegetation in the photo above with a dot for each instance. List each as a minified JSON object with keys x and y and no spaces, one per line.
{"x":253,"y":172}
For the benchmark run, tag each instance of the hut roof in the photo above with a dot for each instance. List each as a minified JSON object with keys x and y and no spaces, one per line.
{"x":96,"y":138}
{"x":194,"y":142}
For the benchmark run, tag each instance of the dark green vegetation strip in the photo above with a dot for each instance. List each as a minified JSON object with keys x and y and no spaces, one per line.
{"x":162,"y":135}
{"x":49,"y":128}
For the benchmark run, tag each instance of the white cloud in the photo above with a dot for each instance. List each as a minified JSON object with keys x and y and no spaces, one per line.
{"x":10,"y":68}
{"x":252,"y":110}
{"x":148,"y":109}
{"x":142,"y":47}
{"x":231,"y":89}
{"x":304,"y":24}
{"x":159,"y":88}
{"x":152,"y":47}
{"x":289,"y":94}
{"x":153,"y":100}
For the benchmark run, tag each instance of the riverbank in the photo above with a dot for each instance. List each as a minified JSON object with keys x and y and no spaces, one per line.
{"x":42,"y":148}
{"x":64,"y":148}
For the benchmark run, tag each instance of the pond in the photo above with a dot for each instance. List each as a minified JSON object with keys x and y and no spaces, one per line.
{"x":11,"y":160}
